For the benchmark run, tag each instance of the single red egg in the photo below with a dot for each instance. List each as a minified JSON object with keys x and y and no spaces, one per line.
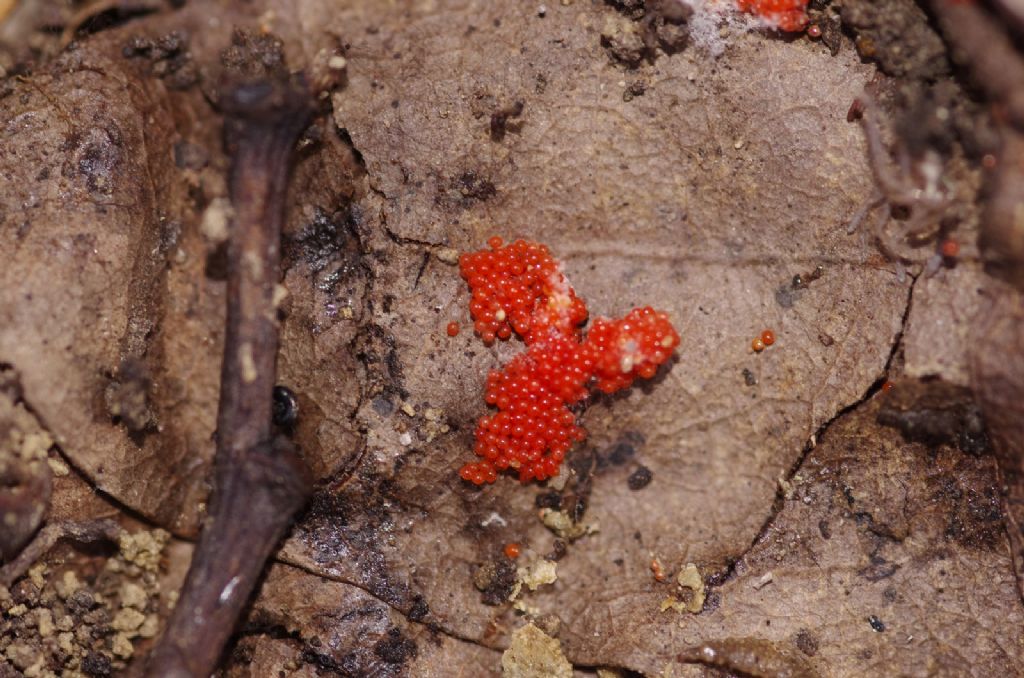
{"x":512,"y":550}
{"x":757,"y":344}
{"x":767,"y":338}
{"x":949,"y":248}
{"x":452,"y":329}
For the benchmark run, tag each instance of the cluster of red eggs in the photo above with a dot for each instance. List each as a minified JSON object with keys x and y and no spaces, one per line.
{"x":786,"y":15}
{"x":521,"y":288}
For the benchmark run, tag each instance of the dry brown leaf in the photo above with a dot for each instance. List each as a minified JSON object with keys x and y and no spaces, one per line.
{"x":697,"y":185}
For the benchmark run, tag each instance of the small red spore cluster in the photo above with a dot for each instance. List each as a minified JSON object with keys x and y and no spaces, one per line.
{"x":786,"y":15}
{"x":520,"y":288}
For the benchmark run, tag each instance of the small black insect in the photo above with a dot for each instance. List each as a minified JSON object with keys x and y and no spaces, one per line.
{"x":285,"y":411}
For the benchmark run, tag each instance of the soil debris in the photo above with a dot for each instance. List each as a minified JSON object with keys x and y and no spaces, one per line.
{"x":534,"y":654}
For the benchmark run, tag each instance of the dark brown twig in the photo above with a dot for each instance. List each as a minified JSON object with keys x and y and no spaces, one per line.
{"x":84,"y":532}
{"x":260,"y":480}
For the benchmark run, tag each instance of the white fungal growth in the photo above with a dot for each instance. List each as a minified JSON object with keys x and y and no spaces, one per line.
{"x":713,"y":22}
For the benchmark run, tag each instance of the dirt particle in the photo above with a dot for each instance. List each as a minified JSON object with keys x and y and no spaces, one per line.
{"x":168,"y":56}
{"x":127,"y":620}
{"x":898,"y":35}
{"x":877,"y":625}
{"x":563,"y":525}
{"x":420,"y":609}
{"x":548,"y":500}
{"x":395,"y":648}
{"x":536,"y":574}
{"x":254,"y":55}
{"x":495,"y":580}
{"x":96,"y":664}
{"x":121,"y":646}
{"x":144,"y":548}
{"x":622,"y":40}
{"x":127,"y":396}
{"x":534,"y":654}
{"x":640,"y":478}
{"x":806,"y":642}
{"x":447,"y":255}
{"x":690,"y":593}
{"x":500,"y":120}
{"x":216,"y":218}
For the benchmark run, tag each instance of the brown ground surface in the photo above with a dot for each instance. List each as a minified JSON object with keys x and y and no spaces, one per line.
{"x":840,"y":530}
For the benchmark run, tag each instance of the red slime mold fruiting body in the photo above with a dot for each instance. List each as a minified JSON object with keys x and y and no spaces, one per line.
{"x":520,"y":288}
{"x":631,"y":347}
{"x":786,"y":15}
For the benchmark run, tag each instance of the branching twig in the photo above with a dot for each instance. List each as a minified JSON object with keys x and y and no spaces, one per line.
{"x":89,"y":531}
{"x":260,"y":481}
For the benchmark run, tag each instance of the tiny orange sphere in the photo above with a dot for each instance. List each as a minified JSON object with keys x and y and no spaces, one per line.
{"x":814,"y":31}
{"x":452,"y":329}
{"x":949,"y":248}
{"x":512,"y":550}
{"x":657,"y":570}
{"x":757,"y":344}
{"x":767,"y":338}
{"x":887,"y":386}
{"x":494,"y":242}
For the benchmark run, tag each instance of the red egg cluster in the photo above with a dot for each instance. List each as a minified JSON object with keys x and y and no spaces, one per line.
{"x":631,"y":347}
{"x":786,"y":15}
{"x":521,"y":288}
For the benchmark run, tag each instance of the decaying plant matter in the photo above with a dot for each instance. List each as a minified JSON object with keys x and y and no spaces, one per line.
{"x":744,"y":486}
{"x":988,"y":46}
{"x":260,"y":480}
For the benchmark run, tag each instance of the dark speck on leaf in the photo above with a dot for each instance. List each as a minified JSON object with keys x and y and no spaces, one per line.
{"x":420,"y":609}
{"x":549,"y":500}
{"x":96,"y":664}
{"x":876,"y":624}
{"x":395,"y":648}
{"x":640,"y":478}
{"x":806,"y":642}
{"x":621,"y":453}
